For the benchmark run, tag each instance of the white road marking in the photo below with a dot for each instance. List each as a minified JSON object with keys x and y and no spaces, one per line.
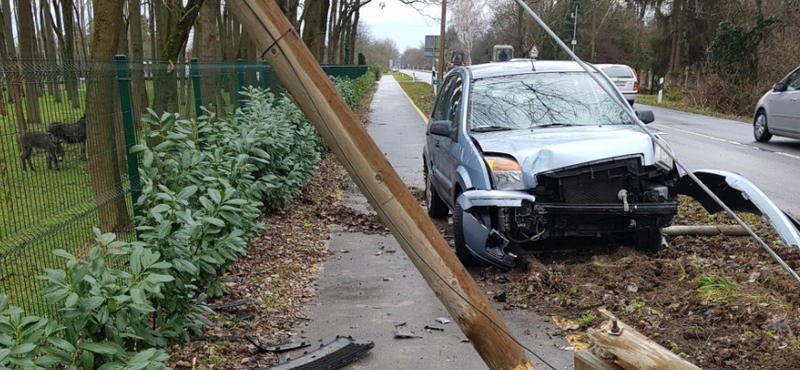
{"x":733,"y":142}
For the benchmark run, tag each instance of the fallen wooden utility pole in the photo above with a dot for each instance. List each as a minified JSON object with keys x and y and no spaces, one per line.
{"x":633,"y":350}
{"x":316,"y":96}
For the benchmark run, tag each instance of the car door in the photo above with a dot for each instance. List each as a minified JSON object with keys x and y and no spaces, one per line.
{"x":434,"y":141}
{"x":785,"y":107}
{"x":449,"y":145}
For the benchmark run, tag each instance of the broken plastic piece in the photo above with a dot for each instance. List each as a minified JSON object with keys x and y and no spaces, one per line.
{"x":399,"y":334}
{"x":334,"y":355}
{"x":442,"y":320}
{"x":433,"y":328}
{"x":287,"y":346}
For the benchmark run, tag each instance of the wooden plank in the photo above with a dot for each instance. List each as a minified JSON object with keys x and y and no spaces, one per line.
{"x":634,"y":351}
{"x":586,"y":360}
{"x":316,"y":96}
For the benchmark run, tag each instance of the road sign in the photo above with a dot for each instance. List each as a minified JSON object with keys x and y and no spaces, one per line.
{"x":435,"y":82}
{"x":431,"y":43}
{"x":534,"y":52}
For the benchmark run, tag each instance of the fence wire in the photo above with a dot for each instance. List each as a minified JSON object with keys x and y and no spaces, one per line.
{"x":43,"y":209}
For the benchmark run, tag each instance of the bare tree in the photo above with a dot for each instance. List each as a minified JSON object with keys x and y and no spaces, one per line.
{"x":69,"y":54}
{"x":100,"y":106}
{"x":174,"y":23}
{"x":27,"y":47}
{"x":315,"y":13}
{"x":137,"y":56}
{"x":469,"y":22}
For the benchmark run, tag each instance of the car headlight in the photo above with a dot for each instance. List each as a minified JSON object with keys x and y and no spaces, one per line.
{"x":661,"y":157}
{"x":506,"y":173}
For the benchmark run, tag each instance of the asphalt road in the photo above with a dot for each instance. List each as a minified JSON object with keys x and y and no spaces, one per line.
{"x":702,"y":142}
{"x":423,"y":76}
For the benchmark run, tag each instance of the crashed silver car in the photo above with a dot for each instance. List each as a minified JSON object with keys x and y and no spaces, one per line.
{"x":531,"y":150}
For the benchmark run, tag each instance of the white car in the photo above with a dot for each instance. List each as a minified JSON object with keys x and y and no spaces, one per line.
{"x":624,"y":78}
{"x":778,"y":111}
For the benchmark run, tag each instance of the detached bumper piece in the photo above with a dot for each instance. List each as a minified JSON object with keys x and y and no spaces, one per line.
{"x":334,"y":355}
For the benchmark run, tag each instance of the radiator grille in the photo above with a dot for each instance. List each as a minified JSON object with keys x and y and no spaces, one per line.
{"x":598,"y":187}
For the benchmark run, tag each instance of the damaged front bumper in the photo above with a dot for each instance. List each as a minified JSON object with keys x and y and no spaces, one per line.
{"x":485,"y":243}
{"x":739,"y":194}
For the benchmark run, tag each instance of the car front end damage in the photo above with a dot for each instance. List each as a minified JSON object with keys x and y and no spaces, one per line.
{"x":604,"y":198}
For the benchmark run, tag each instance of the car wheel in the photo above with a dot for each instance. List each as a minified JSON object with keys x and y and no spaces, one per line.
{"x":647,"y":239}
{"x":436,"y":206}
{"x":760,"y":129}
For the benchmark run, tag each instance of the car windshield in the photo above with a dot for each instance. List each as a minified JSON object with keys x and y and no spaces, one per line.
{"x":618,"y":72}
{"x":541,"y":100}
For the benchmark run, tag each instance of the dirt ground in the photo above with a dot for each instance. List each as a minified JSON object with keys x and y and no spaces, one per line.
{"x":718,"y":302}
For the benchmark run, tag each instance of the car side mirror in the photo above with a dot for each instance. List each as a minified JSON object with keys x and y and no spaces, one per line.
{"x":779,"y":87}
{"x":441,"y":128}
{"x":646,"y":116}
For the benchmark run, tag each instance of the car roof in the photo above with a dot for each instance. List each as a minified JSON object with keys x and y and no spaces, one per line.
{"x":522,"y":66}
{"x":612,"y":65}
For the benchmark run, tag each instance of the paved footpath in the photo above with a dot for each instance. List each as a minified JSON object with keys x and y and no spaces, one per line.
{"x":368,"y":285}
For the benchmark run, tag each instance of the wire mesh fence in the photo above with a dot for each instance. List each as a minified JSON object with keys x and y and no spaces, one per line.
{"x":63,"y":172}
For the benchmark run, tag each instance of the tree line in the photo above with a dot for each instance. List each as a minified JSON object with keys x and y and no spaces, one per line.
{"x":718,"y":54}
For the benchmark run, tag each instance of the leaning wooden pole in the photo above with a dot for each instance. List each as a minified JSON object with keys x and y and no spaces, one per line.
{"x":316,"y":96}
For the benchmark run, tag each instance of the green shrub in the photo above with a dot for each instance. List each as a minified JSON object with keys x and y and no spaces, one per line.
{"x":376,"y":70}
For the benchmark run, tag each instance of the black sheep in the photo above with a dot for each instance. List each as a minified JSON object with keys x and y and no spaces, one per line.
{"x":71,"y":133}
{"x":30,"y":140}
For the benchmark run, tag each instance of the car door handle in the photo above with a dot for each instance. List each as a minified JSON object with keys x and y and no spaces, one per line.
{"x":437,"y":143}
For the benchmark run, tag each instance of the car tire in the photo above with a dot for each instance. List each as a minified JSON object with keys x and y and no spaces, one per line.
{"x":647,"y":239}
{"x":760,"y":128}
{"x":463,"y":254}
{"x":436,"y":206}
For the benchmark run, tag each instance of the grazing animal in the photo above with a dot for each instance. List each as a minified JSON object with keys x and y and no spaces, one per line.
{"x":71,"y":133}
{"x":30,"y":140}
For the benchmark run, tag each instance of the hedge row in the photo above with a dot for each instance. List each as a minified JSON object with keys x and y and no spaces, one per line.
{"x":206,"y":185}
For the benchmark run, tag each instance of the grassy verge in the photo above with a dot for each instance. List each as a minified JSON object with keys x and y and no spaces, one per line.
{"x":420,"y":93}
{"x":679,"y":105}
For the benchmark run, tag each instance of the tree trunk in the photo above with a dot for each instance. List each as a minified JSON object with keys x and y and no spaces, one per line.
{"x":138,"y":90}
{"x":103,"y":164}
{"x":70,"y":61}
{"x":14,"y":77}
{"x":27,"y":48}
{"x":314,"y":16}
{"x":207,"y":50}
{"x":49,"y":39}
{"x":174,"y":35}
{"x":354,"y":36}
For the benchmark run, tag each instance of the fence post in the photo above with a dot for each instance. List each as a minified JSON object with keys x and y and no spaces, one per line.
{"x":198,"y":97}
{"x":124,"y":82}
{"x":263,"y":80}
{"x":239,"y":81}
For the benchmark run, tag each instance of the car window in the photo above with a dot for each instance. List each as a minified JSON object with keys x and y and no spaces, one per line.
{"x":442,"y":106}
{"x":542,"y":99}
{"x":793,"y":82}
{"x":454,"y":111}
{"x":618,"y":72}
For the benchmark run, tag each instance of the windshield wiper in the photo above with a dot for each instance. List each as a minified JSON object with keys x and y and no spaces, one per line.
{"x":491,"y":128}
{"x":554,"y":125}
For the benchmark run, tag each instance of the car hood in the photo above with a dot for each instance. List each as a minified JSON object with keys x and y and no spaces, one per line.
{"x":542,"y":150}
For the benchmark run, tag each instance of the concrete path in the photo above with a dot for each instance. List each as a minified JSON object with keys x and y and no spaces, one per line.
{"x":368,"y":285}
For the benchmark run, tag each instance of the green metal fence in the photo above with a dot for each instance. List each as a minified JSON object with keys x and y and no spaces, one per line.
{"x":49,"y":209}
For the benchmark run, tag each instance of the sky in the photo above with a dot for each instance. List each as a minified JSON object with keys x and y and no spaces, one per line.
{"x":400,"y":22}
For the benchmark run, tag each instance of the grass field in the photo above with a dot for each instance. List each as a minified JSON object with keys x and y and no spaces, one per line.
{"x":420,"y":93}
{"x":678,"y":104}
